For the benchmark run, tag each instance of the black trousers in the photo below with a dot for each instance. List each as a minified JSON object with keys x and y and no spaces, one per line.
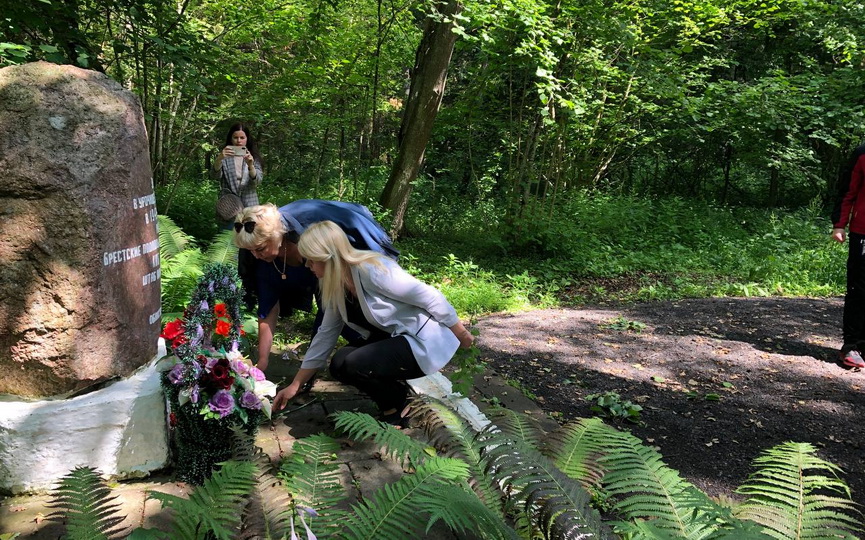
{"x":379,"y":369}
{"x":854,"y":300}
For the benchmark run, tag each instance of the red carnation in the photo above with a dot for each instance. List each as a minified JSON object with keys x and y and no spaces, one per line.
{"x":220,"y":310}
{"x":172,"y":419}
{"x":172,"y":329}
{"x":220,"y":375}
{"x":222,"y":328}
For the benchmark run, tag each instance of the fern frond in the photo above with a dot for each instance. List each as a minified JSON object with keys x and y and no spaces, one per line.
{"x":518,"y":427}
{"x":213,"y":507}
{"x":576,"y":447}
{"x":396,"y":444}
{"x":313,"y":480}
{"x":645,"y":486}
{"x":222,"y":250}
{"x":447,"y":432}
{"x":794,"y":494}
{"x":172,"y":239}
{"x":559,"y":504}
{"x":180,"y":274}
{"x":647,"y":489}
{"x":463,"y":512}
{"x":268,"y":511}
{"x":398,"y":510}
{"x":86,"y":504}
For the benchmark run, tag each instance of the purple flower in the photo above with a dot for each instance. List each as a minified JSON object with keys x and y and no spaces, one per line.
{"x":210,"y":363}
{"x":250,"y":401}
{"x":194,"y":393}
{"x":233,"y":287}
{"x":199,"y":333}
{"x":240,"y":367}
{"x":222,"y":403}
{"x":225,"y":281}
{"x":175,"y":376}
{"x":204,"y":306}
{"x":256,"y":374}
{"x":210,"y":286}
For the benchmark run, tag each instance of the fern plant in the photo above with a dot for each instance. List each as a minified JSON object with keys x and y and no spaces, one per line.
{"x":313,"y":480}
{"x":553,"y":503}
{"x":540,"y":482}
{"x":85,"y":503}
{"x":268,"y":511}
{"x":213,"y":508}
{"x":436,"y":502}
{"x":182,"y":262}
{"x":795,"y":495}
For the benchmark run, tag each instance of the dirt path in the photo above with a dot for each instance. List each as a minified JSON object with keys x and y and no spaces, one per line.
{"x":770,"y":362}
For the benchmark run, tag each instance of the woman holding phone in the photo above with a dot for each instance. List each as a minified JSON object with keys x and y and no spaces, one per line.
{"x":238,"y":167}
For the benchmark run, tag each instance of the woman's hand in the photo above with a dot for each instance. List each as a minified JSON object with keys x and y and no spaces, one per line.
{"x":227,"y":152}
{"x":838,"y":235}
{"x":249,"y":159}
{"x":466,"y":338}
{"x":285,"y":395}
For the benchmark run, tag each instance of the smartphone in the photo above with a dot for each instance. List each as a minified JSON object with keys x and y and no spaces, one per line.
{"x":239,"y":150}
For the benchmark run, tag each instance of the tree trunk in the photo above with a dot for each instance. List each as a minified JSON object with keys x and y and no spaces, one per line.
{"x":728,"y":161}
{"x":425,"y":96}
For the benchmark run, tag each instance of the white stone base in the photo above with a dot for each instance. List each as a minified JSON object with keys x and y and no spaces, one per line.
{"x":119,"y":430}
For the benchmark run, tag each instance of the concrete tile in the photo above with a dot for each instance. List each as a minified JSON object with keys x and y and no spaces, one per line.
{"x":493,"y":386}
{"x":306,"y":421}
{"x":156,"y":516}
{"x":26,"y":515}
{"x":356,"y":405}
{"x":371,"y":475}
{"x":348,"y":483}
{"x":271,"y":447}
{"x":131,"y":500}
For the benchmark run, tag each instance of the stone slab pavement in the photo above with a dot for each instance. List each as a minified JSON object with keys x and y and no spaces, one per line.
{"x":365,"y":469}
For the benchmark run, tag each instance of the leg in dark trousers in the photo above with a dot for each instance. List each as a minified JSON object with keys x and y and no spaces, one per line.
{"x":854,"y":301}
{"x":378,"y":369}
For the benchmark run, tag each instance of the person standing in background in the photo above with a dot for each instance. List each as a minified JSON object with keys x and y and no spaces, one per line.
{"x":849,"y":213}
{"x":238,"y":169}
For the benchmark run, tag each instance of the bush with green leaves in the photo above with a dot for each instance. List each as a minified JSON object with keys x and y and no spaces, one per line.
{"x":611,"y":405}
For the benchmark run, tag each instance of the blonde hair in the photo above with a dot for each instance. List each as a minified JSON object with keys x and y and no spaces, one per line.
{"x":268,"y":226}
{"x":326,"y":242}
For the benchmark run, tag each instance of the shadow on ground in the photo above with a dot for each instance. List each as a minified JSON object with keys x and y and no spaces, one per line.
{"x":720,"y":380}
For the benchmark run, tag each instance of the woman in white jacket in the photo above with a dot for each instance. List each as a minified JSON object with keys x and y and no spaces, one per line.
{"x":410,"y":329}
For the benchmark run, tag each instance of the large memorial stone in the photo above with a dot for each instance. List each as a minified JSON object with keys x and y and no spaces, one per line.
{"x":79,"y":252}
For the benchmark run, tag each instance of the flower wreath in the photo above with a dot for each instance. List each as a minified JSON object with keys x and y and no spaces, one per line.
{"x":209,"y":385}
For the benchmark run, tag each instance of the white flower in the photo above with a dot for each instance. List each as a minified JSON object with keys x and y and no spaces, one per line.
{"x":237,"y":357}
{"x":264,"y":388}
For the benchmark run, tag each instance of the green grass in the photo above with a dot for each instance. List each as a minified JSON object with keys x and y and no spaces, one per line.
{"x":611,"y":249}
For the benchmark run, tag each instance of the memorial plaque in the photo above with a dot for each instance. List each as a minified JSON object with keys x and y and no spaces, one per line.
{"x":79,"y":251}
